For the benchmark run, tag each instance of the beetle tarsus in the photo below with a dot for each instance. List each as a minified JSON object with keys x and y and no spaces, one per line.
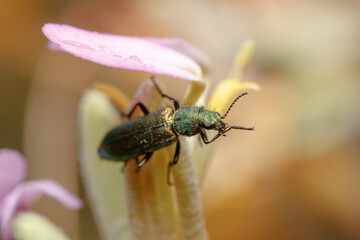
{"x":144,"y":160}
{"x":137,"y":163}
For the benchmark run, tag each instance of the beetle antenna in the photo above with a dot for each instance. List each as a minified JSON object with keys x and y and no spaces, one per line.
{"x":232,"y":104}
{"x":242,"y":128}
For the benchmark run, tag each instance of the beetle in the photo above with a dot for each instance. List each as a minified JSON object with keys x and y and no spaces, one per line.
{"x":153,"y":131}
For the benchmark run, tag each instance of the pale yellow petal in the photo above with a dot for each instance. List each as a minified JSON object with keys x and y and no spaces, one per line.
{"x":103,"y":180}
{"x":251,"y":86}
{"x":242,"y":60}
{"x":225,"y":93}
{"x":194,"y":92}
{"x":30,"y":226}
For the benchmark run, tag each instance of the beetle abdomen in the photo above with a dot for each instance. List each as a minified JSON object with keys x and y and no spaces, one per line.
{"x":139,"y":136}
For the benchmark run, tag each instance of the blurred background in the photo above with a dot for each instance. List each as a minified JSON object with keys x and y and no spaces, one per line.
{"x":296,"y":177}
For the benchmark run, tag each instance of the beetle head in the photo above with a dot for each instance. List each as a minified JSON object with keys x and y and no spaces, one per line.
{"x":213,"y":120}
{"x":210,"y":120}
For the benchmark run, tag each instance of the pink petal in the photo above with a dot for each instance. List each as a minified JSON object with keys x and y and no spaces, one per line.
{"x":131,"y":53}
{"x":25,"y":193}
{"x":12,"y":170}
{"x":184,"y":47}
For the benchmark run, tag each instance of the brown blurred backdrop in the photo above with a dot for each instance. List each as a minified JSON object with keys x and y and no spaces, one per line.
{"x":296,"y":177}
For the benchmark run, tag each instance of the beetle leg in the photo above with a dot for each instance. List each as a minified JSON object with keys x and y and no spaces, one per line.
{"x":142,"y":107}
{"x":176,"y":159}
{"x":205,"y":138}
{"x":176,"y":102}
{"x":144,"y":160}
{"x":177,"y":152}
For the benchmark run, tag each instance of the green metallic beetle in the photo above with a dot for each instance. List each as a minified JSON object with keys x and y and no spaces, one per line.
{"x":144,"y":135}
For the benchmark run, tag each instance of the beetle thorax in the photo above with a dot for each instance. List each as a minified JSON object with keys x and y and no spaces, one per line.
{"x":186,"y":121}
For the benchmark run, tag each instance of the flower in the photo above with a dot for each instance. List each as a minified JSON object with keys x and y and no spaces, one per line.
{"x":154,"y":209}
{"x":157,"y":56}
{"x":16,"y":195}
{"x":152,"y":214}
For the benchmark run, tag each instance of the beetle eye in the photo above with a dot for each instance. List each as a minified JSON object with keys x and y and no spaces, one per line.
{"x":207,"y":124}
